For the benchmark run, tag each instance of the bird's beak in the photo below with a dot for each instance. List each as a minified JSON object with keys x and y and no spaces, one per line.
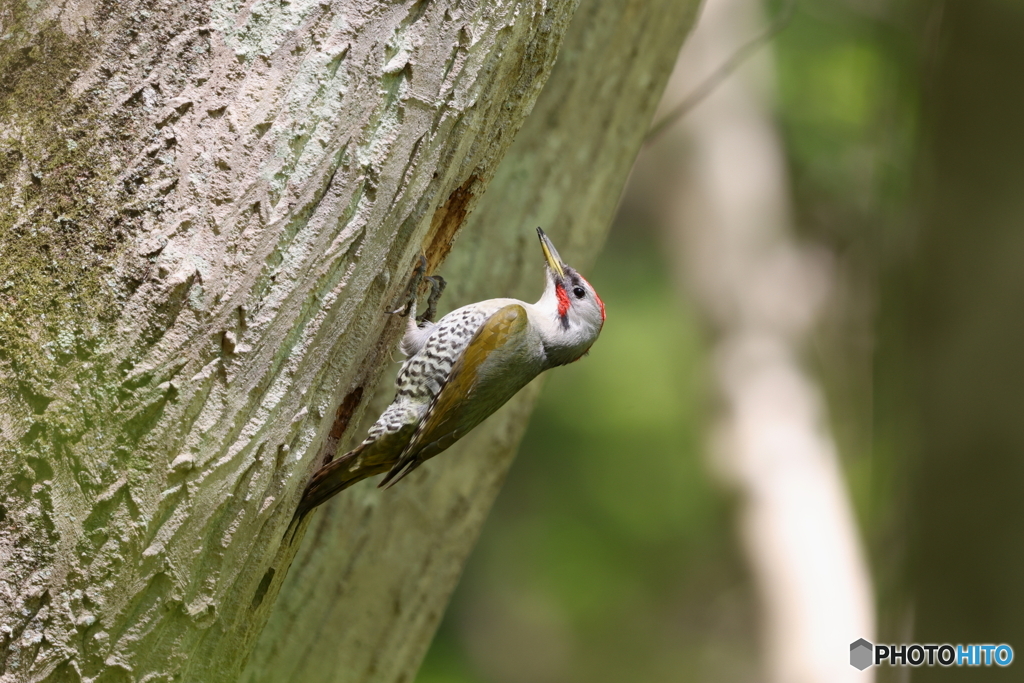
{"x":551,"y":254}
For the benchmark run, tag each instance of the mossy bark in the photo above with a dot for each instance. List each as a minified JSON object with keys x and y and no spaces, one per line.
{"x":205,"y":206}
{"x":204,"y":210}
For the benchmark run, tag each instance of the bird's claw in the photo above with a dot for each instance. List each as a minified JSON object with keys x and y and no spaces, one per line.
{"x":412,"y":289}
{"x":402,"y":312}
{"x":437,"y":285}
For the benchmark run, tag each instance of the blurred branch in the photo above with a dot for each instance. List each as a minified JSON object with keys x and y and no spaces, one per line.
{"x":708,"y":85}
{"x":726,"y":207}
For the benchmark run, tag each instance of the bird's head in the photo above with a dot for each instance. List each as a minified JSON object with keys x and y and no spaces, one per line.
{"x":575,"y":308}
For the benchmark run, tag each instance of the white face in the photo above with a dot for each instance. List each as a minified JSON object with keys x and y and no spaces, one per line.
{"x":573,"y":313}
{"x":579,"y":304}
{"x":578,"y":314}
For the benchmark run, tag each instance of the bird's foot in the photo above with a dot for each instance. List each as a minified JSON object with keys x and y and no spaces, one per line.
{"x":412,"y":289}
{"x":437,"y":285}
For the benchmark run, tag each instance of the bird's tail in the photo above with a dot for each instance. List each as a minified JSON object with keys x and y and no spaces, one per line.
{"x":338,"y":475}
{"x":333,"y":477}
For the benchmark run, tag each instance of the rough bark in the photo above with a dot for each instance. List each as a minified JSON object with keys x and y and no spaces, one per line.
{"x":206,"y":206}
{"x":369,"y":585}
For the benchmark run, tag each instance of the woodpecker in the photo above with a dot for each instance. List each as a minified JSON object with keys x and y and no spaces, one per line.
{"x":462,"y":368}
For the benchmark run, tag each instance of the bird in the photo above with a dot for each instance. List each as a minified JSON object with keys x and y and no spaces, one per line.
{"x":462,"y":368}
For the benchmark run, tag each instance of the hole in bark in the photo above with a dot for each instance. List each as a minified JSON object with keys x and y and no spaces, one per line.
{"x":447,"y":220}
{"x":344,"y":412}
{"x":261,"y":591}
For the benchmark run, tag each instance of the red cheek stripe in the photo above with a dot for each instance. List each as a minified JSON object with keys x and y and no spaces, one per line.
{"x":563,"y":301}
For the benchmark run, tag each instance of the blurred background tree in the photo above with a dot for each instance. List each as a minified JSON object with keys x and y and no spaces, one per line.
{"x":613,"y":554}
{"x":952,"y":331}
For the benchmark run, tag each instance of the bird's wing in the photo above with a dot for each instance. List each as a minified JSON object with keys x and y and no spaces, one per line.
{"x":495,"y":365}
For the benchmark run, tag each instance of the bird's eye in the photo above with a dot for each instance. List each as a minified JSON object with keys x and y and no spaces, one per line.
{"x":579,"y":292}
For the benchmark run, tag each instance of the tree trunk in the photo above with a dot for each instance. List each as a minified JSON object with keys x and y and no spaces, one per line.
{"x":369,"y":585}
{"x":951,"y":335}
{"x":206,"y":207}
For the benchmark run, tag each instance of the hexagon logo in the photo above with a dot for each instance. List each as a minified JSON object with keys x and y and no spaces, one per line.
{"x":860,"y":654}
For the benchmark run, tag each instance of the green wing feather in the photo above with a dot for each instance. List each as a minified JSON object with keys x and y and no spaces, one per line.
{"x":479,"y":383}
